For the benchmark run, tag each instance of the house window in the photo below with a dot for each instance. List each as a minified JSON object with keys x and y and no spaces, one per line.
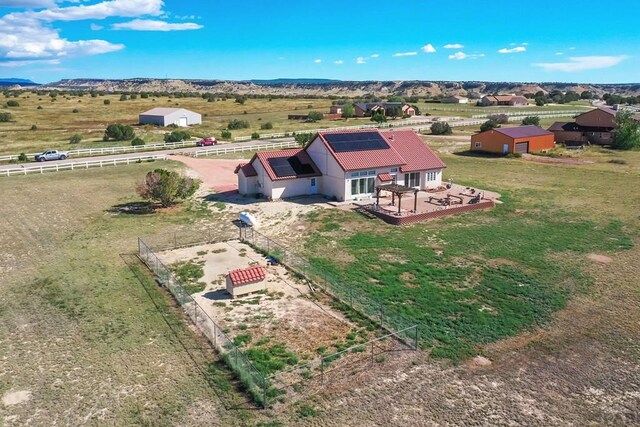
{"x":478,"y":144}
{"x":432,"y":176}
{"x":394,"y":170}
{"x":412,"y":179}
{"x":363,"y":186}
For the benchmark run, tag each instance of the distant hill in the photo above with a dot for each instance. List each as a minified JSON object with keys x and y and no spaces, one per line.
{"x":14,"y":82}
{"x":322,"y":87}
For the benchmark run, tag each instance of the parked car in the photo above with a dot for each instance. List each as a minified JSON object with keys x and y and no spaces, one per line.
{"x":207,"y":141}
{"x":51,"y":155}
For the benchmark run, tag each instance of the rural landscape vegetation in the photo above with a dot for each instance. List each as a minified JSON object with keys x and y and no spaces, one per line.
{"x":151,"y":275}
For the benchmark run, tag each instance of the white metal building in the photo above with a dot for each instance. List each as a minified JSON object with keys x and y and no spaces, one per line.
{"x":170,"y":116}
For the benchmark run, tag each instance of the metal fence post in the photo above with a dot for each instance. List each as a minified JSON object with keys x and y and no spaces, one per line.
{"x":322,"y":371}
{"x":372,"y":353}
{"x":415,"y":342}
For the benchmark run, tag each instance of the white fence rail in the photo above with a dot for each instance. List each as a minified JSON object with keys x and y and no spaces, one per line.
{"x":231,"y":149}
{"x":113,"y":150}
{"x":561,"y":113}
{"x":405,"y":123}
{"x":42,"y":168}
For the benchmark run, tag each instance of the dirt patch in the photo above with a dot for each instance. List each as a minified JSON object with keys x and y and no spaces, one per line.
{"x":16,"y":397}
{"x":556,"y":160}
{"x":602,"y":259}
{"x":216,"y":174}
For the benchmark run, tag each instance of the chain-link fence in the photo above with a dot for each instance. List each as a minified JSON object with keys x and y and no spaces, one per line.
{"x":346,"y":293}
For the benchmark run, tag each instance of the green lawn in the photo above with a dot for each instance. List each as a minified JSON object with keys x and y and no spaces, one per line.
{"x":477,"y":278}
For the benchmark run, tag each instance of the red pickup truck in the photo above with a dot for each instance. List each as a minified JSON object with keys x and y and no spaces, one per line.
{"x":206,"y":142}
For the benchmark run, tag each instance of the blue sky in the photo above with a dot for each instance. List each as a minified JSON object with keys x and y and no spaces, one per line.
{"x":500,"y":40}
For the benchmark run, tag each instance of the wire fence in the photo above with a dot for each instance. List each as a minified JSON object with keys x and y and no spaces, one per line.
{"x":262,"y":388}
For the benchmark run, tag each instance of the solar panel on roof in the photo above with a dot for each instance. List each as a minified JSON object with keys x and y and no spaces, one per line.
{"x":362,"y":141}
{"x":291,"y":166}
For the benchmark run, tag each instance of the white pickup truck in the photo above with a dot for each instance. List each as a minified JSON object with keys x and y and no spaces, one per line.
{"x":51,"y":155}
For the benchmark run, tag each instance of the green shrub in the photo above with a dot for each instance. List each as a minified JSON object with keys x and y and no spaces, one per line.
{"x":34,"y":127}
{"x":5,"y":117}
{"x":39,"y":107}
{"x":177,"y":136}
{"x":266,"y":126}
{"x":75,"y":110}
{"x":441,"y":128}
{"x":106,"y":102}
{"x":75,"y":139}
{"x":13,"y":103}
{"x":23,"y":157}
{"x":238,"y":124}
{"x":137,"y":141}
{"x":118,"y":132}
{"x":225,"y":134}
{"x":255,"y":135}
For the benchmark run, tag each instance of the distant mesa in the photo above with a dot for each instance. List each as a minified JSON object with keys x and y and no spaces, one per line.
{"x":17,"y":82}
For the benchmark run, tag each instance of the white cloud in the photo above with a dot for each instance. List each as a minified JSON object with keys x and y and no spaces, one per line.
{"x":96,"y":27}
{"x":375,"y":55}
{"x":525,"y":44}
{"x":559,"y":53}
{"x":155,"y":25}
{"x":318,"y":61}
{"x":582,"y":63}
{"x":361,"y":60}
{"x":27,"y":4}
{"x":339,"y":62}
{"x":461,"y":55}
{"x":101,"y":10}
{"x":428,"y":48}
{"x":572,"y":48}
{"x":453,"y":46}
{"x":513,"y":50}
{"x":10,"y":64}
{"x":399,"y":54}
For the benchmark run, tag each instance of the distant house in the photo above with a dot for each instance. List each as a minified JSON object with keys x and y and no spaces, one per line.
{"x":344,"y":165}
{"x":503,"y":100}
{"x":336,"y":109}
{"x":592,"y":127}
{"x":454,"y":99}
{"x":170,"y":116}
{"x":368,"y":109}
{"x":520,"y":139}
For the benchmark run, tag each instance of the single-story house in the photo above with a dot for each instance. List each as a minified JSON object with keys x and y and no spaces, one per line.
{"x":245,"y":281}
{"x":170,"y":116}
{"x":368,"y":109}
{"x":506,"y":100}
{"x":454,"y":99}
{"x":343,"y":165}
{"x":336,"y":109}
{"x":519,"y":139}
{"x":592,"y":127}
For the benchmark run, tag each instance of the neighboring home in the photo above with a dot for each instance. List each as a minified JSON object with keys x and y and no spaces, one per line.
{"x":503,"y":100}
{"x":343,"y":165}
{"x":336,"y":109}
{"x":592,"y":127}
{"x":246,"y":281}
{"x":520,"y":139}
{"x":367,"y":110}
{"x":170,"y":116}
{"x":454,"y":99}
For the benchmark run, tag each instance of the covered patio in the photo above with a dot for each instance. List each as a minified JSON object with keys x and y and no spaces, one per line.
{"x":397,"y":192}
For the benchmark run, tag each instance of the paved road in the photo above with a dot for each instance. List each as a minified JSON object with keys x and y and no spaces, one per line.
{"x":185,"y":151}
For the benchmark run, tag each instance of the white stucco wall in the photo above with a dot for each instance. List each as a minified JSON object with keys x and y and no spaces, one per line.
{"x":247,"y":186}
{"x":333,"y":184}
{"x":284,"y":189}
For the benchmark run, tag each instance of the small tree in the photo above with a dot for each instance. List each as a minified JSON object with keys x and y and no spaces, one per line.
{"x":137,"y":141}
{"x":348,"y":111}
{"x":75,"y":139}
{"x":13,"y":103}
{"x":241,"y":100}
{"x":106,"y":102}
{"x":123,"y":97}
{"x":378,"y":117}
{"x":167,"y":187}
{"x":488,"y":125}
{"x":303,"y":138}
{"x":177,"y":136}
{"x":255,"y":135}
{"x":441,"y":128}
{"x":238,"y":124}
{"x":75,"y":111}
{"x":266,"y":126}
{"x":394,"y":112}
{"x":225,"y":134}
{"x":118,"y":132}
{"x":133,"y":96}
{"x":540,"y":100}
{"x":626,"y":135}
{"x":531,"y":120}
{"x":5,"y":117}
{"x":315,"y":116}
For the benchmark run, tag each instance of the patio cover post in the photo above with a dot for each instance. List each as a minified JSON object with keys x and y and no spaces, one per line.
{"x":377,"y":196}
{"x":399,"y":202}
{"x":393,"y":198}
{"x":415,"y":201}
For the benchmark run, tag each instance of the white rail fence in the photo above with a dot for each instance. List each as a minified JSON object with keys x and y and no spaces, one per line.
{"x":112,"y":150}
{"x":387,"y":125}
{"x":57,"y":167}
{"x":560,"y":113}
{"x":230,"y":150}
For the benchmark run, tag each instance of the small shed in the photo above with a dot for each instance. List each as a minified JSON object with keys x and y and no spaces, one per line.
{"x":518,"y":139}
{"x":170,"y":116}
{"x":246,"y":280}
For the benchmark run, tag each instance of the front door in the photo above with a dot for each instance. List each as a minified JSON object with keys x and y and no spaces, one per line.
{"x":314,"y":186}
{"x":505,"y":148}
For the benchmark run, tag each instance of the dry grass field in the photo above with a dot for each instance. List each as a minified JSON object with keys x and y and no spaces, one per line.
{"x":89,"y":339}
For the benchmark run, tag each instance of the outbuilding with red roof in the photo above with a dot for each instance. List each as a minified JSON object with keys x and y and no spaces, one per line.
{"x":518,"y":139}
{"x":344,"y":165}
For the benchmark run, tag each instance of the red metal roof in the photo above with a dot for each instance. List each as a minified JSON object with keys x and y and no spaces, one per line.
{"x":247,"y":169}
{"x":264,"y":156}
{"x":248,"y":275}
{"x":385,"y":177}
{"x":366,"y":159}
{"x":417,"y":155}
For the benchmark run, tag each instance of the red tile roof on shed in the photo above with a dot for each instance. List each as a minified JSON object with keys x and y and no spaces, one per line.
{"x":247,"y":169}
{"x":248,"y":275}
{"x":364,"y":159}
{"x":523,"y":131}
{"x":417,"y":155}
{"x":385,"y":177}
{"x":264,"y":156}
